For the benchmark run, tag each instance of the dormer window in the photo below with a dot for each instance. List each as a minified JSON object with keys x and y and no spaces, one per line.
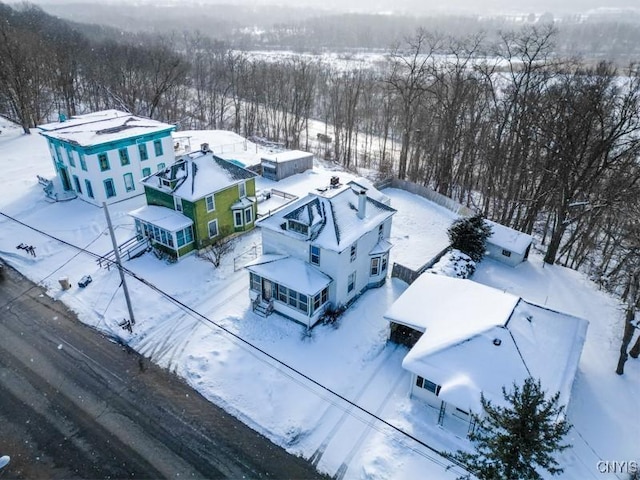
{"x":298,"y":227}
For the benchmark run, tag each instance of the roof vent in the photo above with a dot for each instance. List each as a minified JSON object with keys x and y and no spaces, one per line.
{"x":497,"y":342}
{"x":205,"y":147}
{"x":335,"y":181}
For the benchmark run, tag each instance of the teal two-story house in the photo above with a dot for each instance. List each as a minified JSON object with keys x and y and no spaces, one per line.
{"x":102,"y":156}
{"x":194,"y":202}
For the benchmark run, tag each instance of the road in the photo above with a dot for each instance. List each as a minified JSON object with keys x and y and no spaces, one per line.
{"x":74,"y":404}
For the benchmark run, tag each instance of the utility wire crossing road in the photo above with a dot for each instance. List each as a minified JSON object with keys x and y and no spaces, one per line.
{"x":75,"y":405}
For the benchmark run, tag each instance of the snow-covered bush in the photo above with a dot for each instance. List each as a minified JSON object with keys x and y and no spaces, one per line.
{"x":454,"y":263}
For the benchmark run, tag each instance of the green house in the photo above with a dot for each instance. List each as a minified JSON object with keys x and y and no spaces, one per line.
{"x":195,"y":202}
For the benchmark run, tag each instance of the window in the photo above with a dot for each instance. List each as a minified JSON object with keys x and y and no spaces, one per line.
{"x":142,"y":150}
{"x":282,"y":293}
{"x":314,"y":255}
{"x":109,"y":188}
{"x":89,"y":188}
{"x":427,"y":385}
{"x":255,"y":282}
{"x":320,"y":299}
{"x":103,"y":160}
{"x":211,"y":203}
{"x":293,"y":298}
{"x":124,"y":157}
{"x":72,"y":162}
{"x":354,"y":252}
{"x":298,"y":227}
{"x":213,"y":228}
{"x":146,"y":171}
{"x":128,"y":182}
{"x":242,"y":190}
{"x":184,"y":236}
{"x":76,"y":181}
{"x":177,"y":203}
{"x":160,"y":167}
{"x":237,"y":218}
{"x":351,"y":285}
{"x":381,"y":231}
{"x":157,"y":147}
{"x":248,"y":215}
{"x":384,"y":264}
{"x":375,"y":266}
{"x":59,"y":155}
{"x":506,"y":253}
{"x":83,"y":163}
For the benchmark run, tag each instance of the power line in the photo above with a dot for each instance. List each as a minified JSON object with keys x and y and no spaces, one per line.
{"x":238,"y":338}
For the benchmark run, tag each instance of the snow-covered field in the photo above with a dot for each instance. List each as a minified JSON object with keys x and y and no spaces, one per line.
{"x":353,"y":360}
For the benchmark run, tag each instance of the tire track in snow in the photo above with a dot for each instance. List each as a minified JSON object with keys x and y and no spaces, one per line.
{"x":342,"y":470}
{"x":317,"y":455}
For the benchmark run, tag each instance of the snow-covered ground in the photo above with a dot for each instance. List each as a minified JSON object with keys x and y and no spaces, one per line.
{"x":353,"y":360}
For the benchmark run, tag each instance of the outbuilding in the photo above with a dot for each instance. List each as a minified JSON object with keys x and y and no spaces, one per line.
{"x":276,"y":166}
{"x":508,"y":245}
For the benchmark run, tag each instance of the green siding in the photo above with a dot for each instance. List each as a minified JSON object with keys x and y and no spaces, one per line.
{"x":155,"y":197}
{"x":197,"y":212}
{"x":186,"y":249}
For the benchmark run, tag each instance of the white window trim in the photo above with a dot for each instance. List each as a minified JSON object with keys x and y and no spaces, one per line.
{"x":250,"y":211}
{"x":213,"y":202}
{"x":242,"y":189}
{"x":235,"y":218}
{"x":209,"y":228}
{"x":177,"y":203}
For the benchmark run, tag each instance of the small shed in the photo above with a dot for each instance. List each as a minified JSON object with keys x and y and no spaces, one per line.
{"x":508,"y":245}
{"x":276,"y":166}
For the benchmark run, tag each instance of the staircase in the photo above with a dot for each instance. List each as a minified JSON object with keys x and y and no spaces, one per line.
{"x":132,"y":248}
{"x":262,"y":307}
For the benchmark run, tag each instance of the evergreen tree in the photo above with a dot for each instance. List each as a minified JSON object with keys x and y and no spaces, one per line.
{"x":514,"y":441}
{"x":469,"y":235}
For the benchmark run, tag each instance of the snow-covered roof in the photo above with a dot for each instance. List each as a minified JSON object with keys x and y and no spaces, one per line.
{"x":197,"y":175}
{"x":287,"y":156}
{"x":382,"y":246}
{"x":290,"y":272}
{"x":508,"y":238}
{"x":362,"y":183}
{"x":162,"y":217}
{"x":332,"y":217}
{"x":478,"y":339}
{"x":102,"y":127}
{"x":450,"y":308}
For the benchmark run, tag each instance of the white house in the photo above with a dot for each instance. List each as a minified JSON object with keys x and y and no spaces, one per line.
{"x":103,"y":155}
{"x":323,"y":249}
{"x":276,"y":166}
{"x":508,"y":245}
{"x":477,"y":339}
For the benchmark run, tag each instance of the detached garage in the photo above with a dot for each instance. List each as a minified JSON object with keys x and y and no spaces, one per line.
{"x":277,"y":166}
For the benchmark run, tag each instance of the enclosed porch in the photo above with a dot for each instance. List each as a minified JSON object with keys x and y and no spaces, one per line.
{"x":168,"y":230}
{"x":288,"y":286}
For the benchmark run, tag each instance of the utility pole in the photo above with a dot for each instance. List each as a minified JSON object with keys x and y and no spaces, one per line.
{"x":132,"y":320}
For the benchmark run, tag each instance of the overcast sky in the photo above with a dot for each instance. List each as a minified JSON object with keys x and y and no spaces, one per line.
{"x":409,"y":6}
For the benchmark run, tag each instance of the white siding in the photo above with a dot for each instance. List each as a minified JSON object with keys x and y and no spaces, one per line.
{"x":495,"y":252}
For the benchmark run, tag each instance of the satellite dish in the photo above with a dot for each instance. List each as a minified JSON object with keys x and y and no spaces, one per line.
{"x":4,"y":461}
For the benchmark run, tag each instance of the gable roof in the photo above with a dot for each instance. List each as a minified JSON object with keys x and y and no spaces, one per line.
{"x":479,"y":339}
{"x":197,"y":175}
{"x":508,"y":238}
{"x":102,"y":127}
{"x":332,"y":217}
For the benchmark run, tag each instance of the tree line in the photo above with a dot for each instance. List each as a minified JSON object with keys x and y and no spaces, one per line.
{"x":546,"y":145}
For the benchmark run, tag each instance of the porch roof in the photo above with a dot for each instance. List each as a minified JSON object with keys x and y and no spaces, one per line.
{"x":162,"y":217}
{"x":290,"y":272}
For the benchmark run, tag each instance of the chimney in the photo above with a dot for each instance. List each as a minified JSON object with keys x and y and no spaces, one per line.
{"x":205,"y":147}
{"x":362,"y":203}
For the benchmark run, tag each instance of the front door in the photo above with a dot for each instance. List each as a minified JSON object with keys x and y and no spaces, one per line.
{"x":64,"y":176}
{"x":266,"y":289}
